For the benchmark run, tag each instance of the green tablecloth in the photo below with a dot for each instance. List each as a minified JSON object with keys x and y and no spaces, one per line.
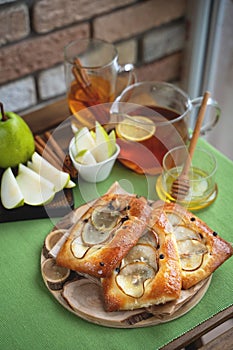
{"x":31,"y":318}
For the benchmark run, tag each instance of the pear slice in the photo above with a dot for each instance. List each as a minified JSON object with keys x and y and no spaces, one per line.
{"x":36,"y":190}
{"x":42,"y":167}
{"x":132,"y":277}
{"x":184,"y":233}
{"x":142,"y":253}
{"x":103,"y":146}
{"x":70,"y":184}
{"x":104,"y":218}
{"x":91,"y":236}
{"x":190,"y":247}
{"x":84,"y":140}
{"x":150,"y":237}
{"x":78,"y":248}
{"x":112,"y":142}
{"x":85,"y":157}
{"x":191,"y":254}
{"x":11,"y":194}
{"x":191,"y":263}
{"x":174,"y":219}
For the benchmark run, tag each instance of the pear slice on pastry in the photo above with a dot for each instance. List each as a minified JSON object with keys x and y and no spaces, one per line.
{"x":105,"y":234}
{"x":149,"y":274}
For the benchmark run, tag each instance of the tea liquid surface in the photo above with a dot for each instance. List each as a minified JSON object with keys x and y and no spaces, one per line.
{"x":146,"y":155}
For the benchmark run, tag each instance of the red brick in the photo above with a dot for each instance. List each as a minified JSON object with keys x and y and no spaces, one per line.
{"x":166,"y":69}
{"x":49,"y":15}
{"x":37,"y":53}
{"x":137,"y":19}
{"x":14,"y":23}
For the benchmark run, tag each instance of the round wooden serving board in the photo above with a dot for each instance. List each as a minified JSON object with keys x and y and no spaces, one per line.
{"x":83,"y":296}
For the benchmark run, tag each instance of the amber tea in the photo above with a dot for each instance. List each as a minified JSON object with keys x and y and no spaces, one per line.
{"x":153,"y":117}
{"x":146,"y":136}
{"x":80,"y":97}
{"x":92,"y":73}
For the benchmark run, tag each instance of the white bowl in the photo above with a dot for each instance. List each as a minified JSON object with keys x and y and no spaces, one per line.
{"x":93,"y":173}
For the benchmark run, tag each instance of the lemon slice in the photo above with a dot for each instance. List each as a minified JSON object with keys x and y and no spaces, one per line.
{"x":136,"y":128}
{"x":199,"y":188}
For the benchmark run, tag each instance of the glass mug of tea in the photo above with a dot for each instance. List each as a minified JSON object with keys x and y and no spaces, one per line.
{"x":93,"y":77}
{"x":150,"y":119}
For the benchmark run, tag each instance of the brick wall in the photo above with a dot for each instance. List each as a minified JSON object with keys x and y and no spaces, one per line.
{"x":148,"y":33}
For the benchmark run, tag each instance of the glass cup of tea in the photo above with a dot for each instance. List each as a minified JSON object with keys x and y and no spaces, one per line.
{"x":153,"y":117}
{"x":202,"y":189}
{"x":93,"y":77}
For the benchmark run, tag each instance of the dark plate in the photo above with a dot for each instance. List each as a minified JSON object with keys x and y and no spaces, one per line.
{"x":61,"y":205}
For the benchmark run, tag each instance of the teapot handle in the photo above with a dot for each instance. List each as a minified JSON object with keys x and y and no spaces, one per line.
{"x":126,"y":76}
{"x":210,"y":120}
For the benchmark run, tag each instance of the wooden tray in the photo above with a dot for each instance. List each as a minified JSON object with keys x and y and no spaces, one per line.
{"x":85,"y":299}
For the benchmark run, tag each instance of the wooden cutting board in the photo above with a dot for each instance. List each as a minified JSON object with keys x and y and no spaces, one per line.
{"x":61,"y":205}
{"x":83,"y":296}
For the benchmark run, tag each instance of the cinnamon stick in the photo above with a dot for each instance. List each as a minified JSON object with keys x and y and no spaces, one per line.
{"x":82,"y":79}
{"x":69,"y":165}
{"x":45,"y":154}
{"x":48,"y":151}
{"x":84,"y":87}
{"x":82,"y":72}
{"x":55,"y":145}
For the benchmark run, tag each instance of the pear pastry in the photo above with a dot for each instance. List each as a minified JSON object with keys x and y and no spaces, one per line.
{"x":105,"y":234}
{"x":201,"y":250}
{"x":149,"y":274}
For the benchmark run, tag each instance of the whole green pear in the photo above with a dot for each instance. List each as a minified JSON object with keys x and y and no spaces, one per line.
{"x":16,"y":140}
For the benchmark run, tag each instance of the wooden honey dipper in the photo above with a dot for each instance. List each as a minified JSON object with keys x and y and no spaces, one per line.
{"x":180,"y":186}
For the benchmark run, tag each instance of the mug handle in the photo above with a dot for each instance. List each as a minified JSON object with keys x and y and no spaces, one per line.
{"x":126,"y":70}
{"x":212,"y":121}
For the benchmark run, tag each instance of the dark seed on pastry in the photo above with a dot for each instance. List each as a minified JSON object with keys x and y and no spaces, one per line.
{"x":111,"y":206}
{"x":85,"y":220}
{"x":117,"y":269}
{"x":215,"y":233}
{"x":125,"y":218}
{"x":101,"y":263}
{"x":161,"y":256}
{"x":192,"y":219}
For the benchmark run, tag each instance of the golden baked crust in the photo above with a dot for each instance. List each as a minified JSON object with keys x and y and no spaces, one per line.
{"x":201,"y":249}
{"x":154,"y":271}
{"x":104,"y":234}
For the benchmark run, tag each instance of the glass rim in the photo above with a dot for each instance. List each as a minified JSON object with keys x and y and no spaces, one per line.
{"x":70,"y":59}
{"x":118,"y":101}
{"x":199,"y":149}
